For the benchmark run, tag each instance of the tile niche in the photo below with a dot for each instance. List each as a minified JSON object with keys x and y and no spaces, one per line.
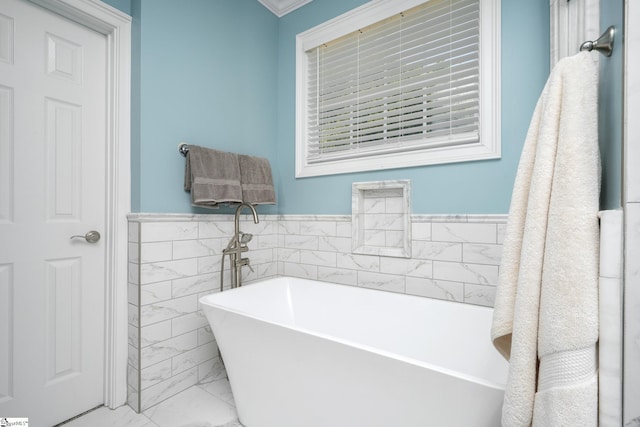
{"x":381,"y":218}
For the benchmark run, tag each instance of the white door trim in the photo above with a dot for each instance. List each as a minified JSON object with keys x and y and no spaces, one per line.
{"x":631,"y":204}
{"x":116,"y":27}
{"x":572,"y":23}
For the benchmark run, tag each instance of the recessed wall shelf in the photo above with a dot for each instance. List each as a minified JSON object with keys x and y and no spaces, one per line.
{"x":381,"y":218}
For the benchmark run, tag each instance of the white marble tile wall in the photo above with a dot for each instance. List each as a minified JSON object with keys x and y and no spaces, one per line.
{"x":380,"y":218}
{"x":631,"y":357}
{"x":383,"y":220}
{"x":454,"y":257}
{"x":173,"y":261}
{"x":610,"y":300}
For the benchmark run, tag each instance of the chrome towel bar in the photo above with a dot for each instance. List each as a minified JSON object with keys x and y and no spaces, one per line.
{"x":183,"y":148}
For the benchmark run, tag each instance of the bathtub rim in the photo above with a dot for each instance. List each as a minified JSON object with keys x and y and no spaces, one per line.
{"x":364,"y":347}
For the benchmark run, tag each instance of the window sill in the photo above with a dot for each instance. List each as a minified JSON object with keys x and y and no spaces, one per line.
{"x":431,"y":156}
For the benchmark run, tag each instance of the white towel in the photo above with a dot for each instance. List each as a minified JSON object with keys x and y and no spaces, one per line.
{"x":546,"y":308}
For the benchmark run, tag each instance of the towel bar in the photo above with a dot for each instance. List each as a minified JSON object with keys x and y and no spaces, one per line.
{"x":604,"y":44}
{"x":183,"y":148}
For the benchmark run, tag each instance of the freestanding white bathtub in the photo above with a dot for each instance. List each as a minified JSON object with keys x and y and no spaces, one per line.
{"x":301,"y":353}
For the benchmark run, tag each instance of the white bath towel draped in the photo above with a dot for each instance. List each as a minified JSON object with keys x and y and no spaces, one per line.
{"x":546,"y":310}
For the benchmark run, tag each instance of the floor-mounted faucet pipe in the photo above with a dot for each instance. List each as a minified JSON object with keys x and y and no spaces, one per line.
{"x":236,"y":246}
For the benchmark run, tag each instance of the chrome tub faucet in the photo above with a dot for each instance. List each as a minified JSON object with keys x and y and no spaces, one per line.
{"x":237,"y":245}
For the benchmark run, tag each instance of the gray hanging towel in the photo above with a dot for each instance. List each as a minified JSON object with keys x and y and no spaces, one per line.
{"x":212,"y":176}
{"x":256,"y":180}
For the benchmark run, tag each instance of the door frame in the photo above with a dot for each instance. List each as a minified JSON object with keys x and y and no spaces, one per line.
{"x":571,"y":24}
{"x":116,"y":27}
{"x":631,"y":204}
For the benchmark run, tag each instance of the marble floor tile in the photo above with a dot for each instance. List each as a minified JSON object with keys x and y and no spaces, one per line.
{"x":193,"y":407}
{"x":123,"y":416}
{"x":205,"y":405}
{"x":220,"y":389}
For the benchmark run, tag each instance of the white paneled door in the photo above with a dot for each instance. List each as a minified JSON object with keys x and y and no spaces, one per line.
{"x":52,"y":186}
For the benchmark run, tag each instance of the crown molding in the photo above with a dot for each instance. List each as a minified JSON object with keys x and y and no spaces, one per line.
{"x":282,"y":7}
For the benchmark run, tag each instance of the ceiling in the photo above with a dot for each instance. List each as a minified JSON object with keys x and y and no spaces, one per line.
{"x":282,"y":7}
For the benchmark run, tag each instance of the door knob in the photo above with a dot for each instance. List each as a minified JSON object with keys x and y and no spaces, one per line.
{"x":91,"y":236}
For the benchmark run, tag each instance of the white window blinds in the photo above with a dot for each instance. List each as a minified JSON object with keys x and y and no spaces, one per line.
{"x":408,"y":82}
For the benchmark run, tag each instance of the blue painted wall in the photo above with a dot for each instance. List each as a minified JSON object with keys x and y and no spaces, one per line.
{"x":136,"y":54}
{"x":610,"y":108}
{"x":123,"y":5}
{"x":222,"y":74}
{"x":472,"y":187}
{"x":205,"y":74}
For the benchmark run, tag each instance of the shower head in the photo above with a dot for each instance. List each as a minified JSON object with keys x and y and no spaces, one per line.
{"x":245,"y":237}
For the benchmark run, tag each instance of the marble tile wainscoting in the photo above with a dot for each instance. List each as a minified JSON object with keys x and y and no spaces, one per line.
{"x":610,"y":306}
{"x":173,"y":261}
{"x":454,"y":257}
{"x":176,"y":258}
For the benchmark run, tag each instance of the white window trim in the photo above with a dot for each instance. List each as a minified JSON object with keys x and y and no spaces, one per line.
{"x":487,"y":148}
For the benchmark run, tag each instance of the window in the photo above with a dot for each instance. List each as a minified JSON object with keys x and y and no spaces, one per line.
{"x":399,"y":83}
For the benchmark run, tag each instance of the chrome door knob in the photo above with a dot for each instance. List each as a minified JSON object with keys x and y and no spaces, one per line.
{"x":91,"y":236}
